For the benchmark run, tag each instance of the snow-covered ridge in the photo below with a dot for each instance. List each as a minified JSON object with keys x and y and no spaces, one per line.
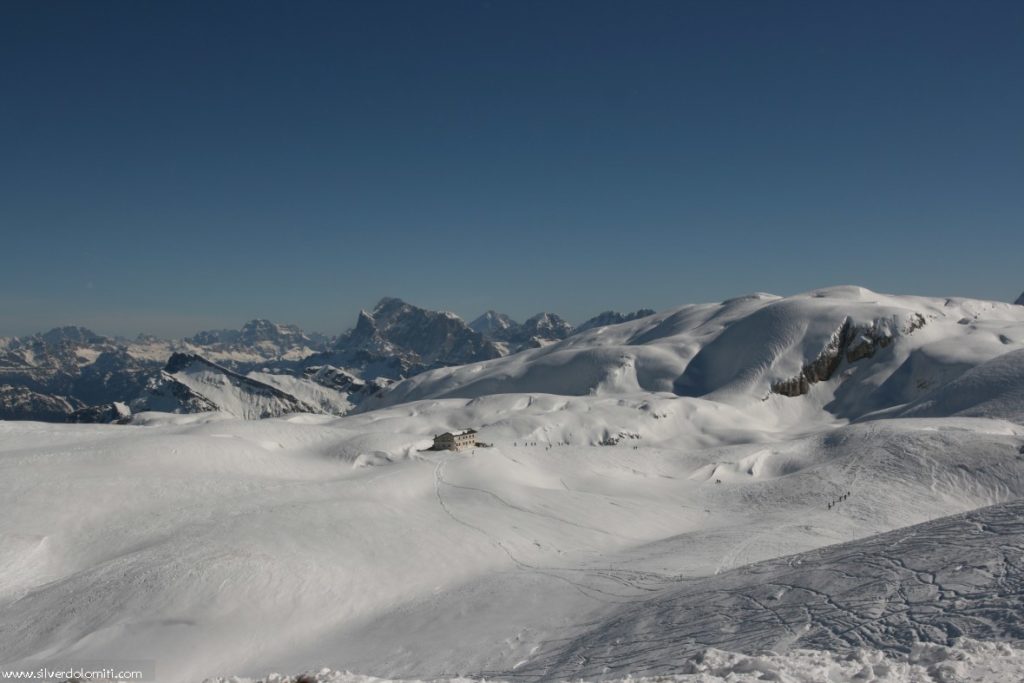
{"x":231,"y":392}
{"x":845,"y":349}
{"x":831,"y":346}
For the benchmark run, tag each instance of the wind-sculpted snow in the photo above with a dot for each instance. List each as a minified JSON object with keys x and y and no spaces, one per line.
{"x":965,"y":661}
{"x":932,"y":583}
{"x":993,"y":389}
{"x":219,"y":546}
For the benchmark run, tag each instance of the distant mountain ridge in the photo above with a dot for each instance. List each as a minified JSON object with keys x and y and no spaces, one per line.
{"x":190,"y":378}
{"x":263,"y":333}
{"x":543,"y":328}
{"x":71,"y":369}
{"x":416,"y":334}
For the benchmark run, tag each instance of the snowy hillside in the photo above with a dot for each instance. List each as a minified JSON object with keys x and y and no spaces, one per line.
{"x":638,"y":508}
{"x":849,"y":350}
{"x":194,"y":378}
{"x":244,"y":547}
{"x":936,"y":582}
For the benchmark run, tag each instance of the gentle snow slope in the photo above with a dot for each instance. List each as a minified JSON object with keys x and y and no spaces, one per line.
{"x":216,"y":545}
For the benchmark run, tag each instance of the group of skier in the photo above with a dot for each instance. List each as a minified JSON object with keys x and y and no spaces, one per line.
{"x":838,"y":500}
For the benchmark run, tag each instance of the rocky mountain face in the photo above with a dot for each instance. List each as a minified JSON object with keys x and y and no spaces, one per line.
{"x":21,"y":403}
{"x":1020,"y":300}
{"x":48,"y":362}
{"x":419,"y":336}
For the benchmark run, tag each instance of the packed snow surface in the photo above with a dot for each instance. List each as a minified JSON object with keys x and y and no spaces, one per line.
{"x":966,"y":661}
{"x":636,"y":514}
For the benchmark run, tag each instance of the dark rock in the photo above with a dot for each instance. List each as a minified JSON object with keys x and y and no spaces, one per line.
{"x":613,"y":318}
{"x":21,"y":403}
{"x":108,"y":413}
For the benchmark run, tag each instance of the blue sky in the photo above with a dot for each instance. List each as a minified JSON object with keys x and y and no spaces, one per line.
{"x":166,"y":167}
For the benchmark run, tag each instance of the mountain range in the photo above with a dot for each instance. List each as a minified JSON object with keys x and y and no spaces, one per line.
{"x":74,"y":374}
{"x":715,"y":489}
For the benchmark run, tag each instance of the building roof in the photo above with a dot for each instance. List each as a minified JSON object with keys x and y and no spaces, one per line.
{"x":460,"y":432}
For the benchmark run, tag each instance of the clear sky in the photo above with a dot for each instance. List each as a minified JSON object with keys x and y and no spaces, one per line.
{"x":166,"y":167}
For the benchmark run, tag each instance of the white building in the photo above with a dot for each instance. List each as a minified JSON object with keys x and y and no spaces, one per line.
{"x":455,"y":441}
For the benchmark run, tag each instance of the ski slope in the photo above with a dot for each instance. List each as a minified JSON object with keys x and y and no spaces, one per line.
{"x":631,"y":523}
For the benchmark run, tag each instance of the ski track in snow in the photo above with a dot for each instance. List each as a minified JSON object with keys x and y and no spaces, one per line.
{"x":935,"y":582}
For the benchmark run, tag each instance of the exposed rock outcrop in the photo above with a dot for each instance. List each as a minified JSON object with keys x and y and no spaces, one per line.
{"x":109,"y":413}
{"x":613,"y":318}
{"x":821,"y":368}
{"x":854,"y":342}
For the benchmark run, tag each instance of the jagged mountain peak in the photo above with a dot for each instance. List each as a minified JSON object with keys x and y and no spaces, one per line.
{"x":260,"y":336}
{"x":390,"y":308}
{"x":73,"y":334}
{"x":421,"y":335}
{"x":264,"y":326}
{"x":390,"y":305}
{"x":538,"y":330}
{"x":548,"y":326}
{"x":365,"y":320}
{"x":1020,"y":300}
{"x":260,"y":330}
{"x":492,"y":322}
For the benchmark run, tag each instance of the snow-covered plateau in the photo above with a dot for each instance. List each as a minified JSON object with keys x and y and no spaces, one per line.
{"x":824,"y":487}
